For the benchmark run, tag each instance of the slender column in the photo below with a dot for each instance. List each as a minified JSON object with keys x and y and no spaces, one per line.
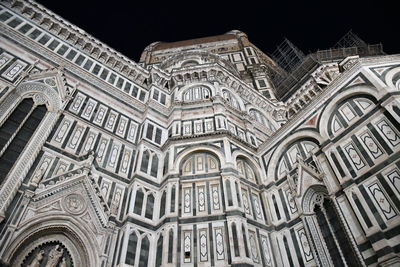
{"x":334,"y":236}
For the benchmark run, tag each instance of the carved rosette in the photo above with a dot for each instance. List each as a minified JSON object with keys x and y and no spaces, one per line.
{"x":74,"y":204}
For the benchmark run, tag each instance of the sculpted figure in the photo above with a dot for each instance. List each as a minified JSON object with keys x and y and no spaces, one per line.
{"x":63,"y":263}
{"x":40,"y":172}
{"x":54,"y":256}
{"x":36,"y":261}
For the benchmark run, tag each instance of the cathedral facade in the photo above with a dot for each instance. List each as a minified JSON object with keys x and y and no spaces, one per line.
{"x":207,"y":152}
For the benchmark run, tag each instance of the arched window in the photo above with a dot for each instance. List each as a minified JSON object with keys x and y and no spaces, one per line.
{"x":16,"y":132}
{"x":170,"y":245}
{"x":348,"y":112}
{"x":162,"y":204}
{"x":199,"y":163}
{"x":159,"y":255}
{"x":278,"y":214}
{"x":235,"y":240}
{"x":131,"y":249}
{"x":149,"y":207}
{"x":196,"y":93}
{"x":144,"y":252}
{"x":301,"y":148}
{"x":230,"y":99}
{"x":245,"y":169}
{"x":138,"y":202}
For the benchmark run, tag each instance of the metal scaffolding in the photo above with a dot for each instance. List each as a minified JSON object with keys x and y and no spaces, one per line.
{"x":295,"y":66}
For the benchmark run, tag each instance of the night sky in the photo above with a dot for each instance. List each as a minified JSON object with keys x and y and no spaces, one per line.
{"x":129,"y":26}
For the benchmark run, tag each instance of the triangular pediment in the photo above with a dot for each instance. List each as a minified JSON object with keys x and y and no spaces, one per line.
{"x":54,"y":78}
{"x":305,"y":175}
{"x":77,"y":192}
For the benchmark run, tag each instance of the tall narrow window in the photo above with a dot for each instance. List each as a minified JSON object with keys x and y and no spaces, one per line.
{"x":138,"y":202}
{"x":159,"y":255}
{"x":154,"y":166}
{"x":278,"y":214}
{"x":144,"y":252}
{"x":246,"y":249}
{"x":228,"y":192}
{"x":131,"y":249}
{"x":149,"y":207}
{"x":170,"y":245}
{"x":172,"y":199}
{"x":235,"y":240}
{"x":145,"y":161}
{"x":16,"y":132}
{"x":162,"y":204}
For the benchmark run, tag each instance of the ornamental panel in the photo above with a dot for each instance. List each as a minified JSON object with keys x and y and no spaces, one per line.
{"x":219,"y":243}
{"x":291,"y":201}
{"x":100,"y":115}
{"x":394,"y":179}
{"x":77,"y":103}
{"x":201,"y":198}
{"x":89,"y":109}
{"x":14,"y":70}
{"x":382,"y":202}
{"x":305,"y":246}
{"x":187,"y":246}
{"x":246,"y":202}
{"x":111,"y":121}
{"x":354,"y":156}
{"x":266,"y":250}
{"x":388,"y":132}
{"x":203,"y":244}
{"x":89,"y":143}
{"x":62,"y":130}
{"x":131,"y":132}
{"x":257,"y":206}
{"x":253,"y":247}
{"x":215,"y":196}
{"x":122,"y":126}
{"x":371,"y":145}
{"x":187,"y":200}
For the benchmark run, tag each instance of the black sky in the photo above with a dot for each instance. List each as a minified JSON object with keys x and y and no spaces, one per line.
{"x":129,"y":26}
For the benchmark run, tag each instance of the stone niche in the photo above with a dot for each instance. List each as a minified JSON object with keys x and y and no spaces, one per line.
{"x":49,"y":254}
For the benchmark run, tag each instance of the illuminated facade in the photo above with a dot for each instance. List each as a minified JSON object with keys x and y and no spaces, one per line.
{"x":207,"y":152}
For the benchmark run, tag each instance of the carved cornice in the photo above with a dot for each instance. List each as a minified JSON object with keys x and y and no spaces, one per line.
{"x":76,"y":37}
